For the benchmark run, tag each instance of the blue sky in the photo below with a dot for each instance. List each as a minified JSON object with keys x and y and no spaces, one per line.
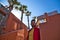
{"x":39,"y":7}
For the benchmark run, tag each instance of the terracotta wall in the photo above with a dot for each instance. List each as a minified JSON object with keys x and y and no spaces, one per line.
{"x":12,"y":28}
{"x":14,"y":35}
{"x":51,"y":29}
{"x":13,"y":23}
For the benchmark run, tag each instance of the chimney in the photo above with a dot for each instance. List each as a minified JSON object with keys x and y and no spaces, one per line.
{"x":46,"y":15}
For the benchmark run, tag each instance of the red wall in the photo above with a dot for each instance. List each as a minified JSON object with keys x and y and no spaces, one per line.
{"x":51,"y":29}
{"x":9,"y":29}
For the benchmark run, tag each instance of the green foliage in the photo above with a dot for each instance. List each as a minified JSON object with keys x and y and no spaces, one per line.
{"x":23,"y":8}
{"x":28,"y":13}
{"x":15,"y":2}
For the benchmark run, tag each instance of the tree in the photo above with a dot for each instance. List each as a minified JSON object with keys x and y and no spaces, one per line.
{"x":23,"y":8}
{"x":28,"y":14}
{"x":12,"y":3}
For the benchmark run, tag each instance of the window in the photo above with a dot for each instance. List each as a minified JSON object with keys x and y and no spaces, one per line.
{"x":5,"y":9}
{"x":2,"y":19}
{"x":1,"y":16}
{"x":1,"y":5}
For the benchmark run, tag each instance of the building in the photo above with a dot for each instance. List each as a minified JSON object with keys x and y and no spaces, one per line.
{"x":11,"y":28}
{"x":50,"y":26}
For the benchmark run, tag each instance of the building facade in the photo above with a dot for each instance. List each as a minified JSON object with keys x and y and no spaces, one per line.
{"x":50,"y":26}
{"x":11,"y":28}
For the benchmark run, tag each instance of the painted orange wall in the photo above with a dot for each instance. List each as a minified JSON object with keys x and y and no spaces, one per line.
{"x":12,"y":29}
{"x":51,"y":29}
